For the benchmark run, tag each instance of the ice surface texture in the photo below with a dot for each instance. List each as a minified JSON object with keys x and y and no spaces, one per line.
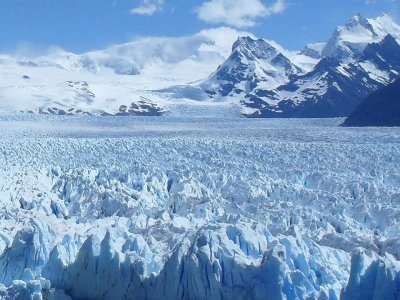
{"x":163,"y":208}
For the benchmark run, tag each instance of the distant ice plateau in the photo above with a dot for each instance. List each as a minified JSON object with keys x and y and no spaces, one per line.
{"x":197,"y":208}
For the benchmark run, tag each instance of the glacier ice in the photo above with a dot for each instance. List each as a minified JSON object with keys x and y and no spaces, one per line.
{"x":199,"y":208}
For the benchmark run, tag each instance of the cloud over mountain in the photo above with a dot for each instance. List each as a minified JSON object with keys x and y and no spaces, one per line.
{"x":237,"y":13}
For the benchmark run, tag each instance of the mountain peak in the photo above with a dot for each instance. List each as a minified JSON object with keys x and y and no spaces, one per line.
{"x":249,"y":42}
{"x":384,"y":25}
{"x":254,"y":48}
{"x":252,"y":62}
{"x":389,"y":39}
{"x":349,"y":41}
{"x":357,"y":19}
{"x":245,"y":39}
{"x":242,"y":41}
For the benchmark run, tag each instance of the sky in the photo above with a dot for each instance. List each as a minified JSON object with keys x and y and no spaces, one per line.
{"x":83,"y":25}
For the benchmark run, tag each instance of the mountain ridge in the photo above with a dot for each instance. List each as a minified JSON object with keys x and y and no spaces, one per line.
{"x":223,"y":68}
{"x":337,"y":84}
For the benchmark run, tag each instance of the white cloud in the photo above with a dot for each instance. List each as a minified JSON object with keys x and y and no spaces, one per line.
{"x":237,"y":13}
{"x":377,"y":1}
{"x":147,"y":7}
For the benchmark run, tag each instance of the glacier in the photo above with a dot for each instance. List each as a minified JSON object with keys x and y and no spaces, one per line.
{"x":197,"y":208}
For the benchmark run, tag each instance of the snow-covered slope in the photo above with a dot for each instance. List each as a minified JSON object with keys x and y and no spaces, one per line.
{"x":330,"y":90}
{"x":324,"y":80}
{"x":349,"y":41}
{"x":168,"y":59}
{"x":161,"y":208}
{"x":204,"y":74}
{"x":360,"y":57}
{"x":103,"y":82}
{"x":314,"y":50}
{"x":252,"y":62}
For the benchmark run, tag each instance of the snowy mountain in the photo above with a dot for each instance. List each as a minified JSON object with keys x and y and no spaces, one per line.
{"x":382,"y":60}
{"x":215,"y":206}
{"x":328,"y":91}
{"x":349,"y":41}
{"x":154,"y":56}
{"x":360,"y":57}
{"x":381,"y":108}
{"x":252,"y":62}
{"x":204,"y":74}
{"x":106,"y":81}
{"x":313,"y":50}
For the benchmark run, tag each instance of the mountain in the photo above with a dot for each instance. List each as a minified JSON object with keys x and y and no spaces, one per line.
{"x":381,"y":108}
{"x":252,"y":61}
{"x":150,"y":57}
{"x":217,"y":72}
{"x":331,"y":89}
{"x":361,"y":57}
{"x":349,"y":41}
{"x":313,"y":50}
{"x":327,"y":91}
{"x":113,"y":81}
{"x":382,"y":60}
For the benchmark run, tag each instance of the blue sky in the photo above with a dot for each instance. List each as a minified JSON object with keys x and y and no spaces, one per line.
{"x":81,"y":25}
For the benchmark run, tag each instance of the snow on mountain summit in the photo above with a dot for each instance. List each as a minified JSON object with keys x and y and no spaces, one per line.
{"x":214,"y":69}
{"x":206,"y":49}
{"x":360,"y":57}
{"x":349,"y":41}
{"x":385,"y":24}
{"x":252,"y":62}
{"x":117,"y":76}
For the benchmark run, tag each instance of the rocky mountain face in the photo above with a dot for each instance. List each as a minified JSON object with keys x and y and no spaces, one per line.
{"x":204,"y":73}
{"x":359,"y":58}
{"x":253,"y":62}
{"x":381,"y":108}
{"x":332,"y":88}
